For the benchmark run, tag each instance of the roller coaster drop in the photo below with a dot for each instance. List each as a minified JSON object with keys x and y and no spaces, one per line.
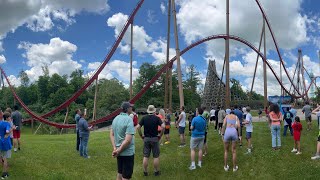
{"x":296,"y":90}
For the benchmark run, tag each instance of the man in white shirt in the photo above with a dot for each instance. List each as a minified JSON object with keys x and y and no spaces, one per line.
{"x":212,"y":115}
{"x":182,"y":126}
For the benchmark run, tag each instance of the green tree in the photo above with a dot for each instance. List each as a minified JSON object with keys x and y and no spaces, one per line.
{"x":24,"y":78}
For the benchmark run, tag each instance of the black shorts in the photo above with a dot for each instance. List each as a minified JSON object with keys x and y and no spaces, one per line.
{"x":319,"y":138}
{"x":212,"y":118}
{"x":151,"y":144}
{"x":125,"y":166}
{"x":166,"y":131}
{"x":308,"y":119}
{"x":240,"y":129}
{"x":181,"y":130}
{"x":220,"y":125}
{"x":205,"y":137}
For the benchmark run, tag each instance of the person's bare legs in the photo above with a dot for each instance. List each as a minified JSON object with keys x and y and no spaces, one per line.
{"x":298,"y":144}
{"x":295,"y":145}
{"x":145,"y":164}
{"x":15,"y":142}
{"x":119,"y":176}
{"x":18,"y":142}
{"x":226,"y":149}
{"x":192,"y":155}
{"x":156,"y":164}
{"x":318,"y":148}
{"x":200,"y":157}
{"x":5,"y":165}
{"x":309,"y":125}
{"x":234,"y":154}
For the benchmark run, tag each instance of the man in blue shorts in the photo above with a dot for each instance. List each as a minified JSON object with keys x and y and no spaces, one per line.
{"x":5,"y":146}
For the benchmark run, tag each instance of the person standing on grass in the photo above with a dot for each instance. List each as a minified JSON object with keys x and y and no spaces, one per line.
{"x":275,"y":121}
{"x":221,"y":116}
{"x":297,"y":128}
{"x":151,"y":139}
{"x":167,"y":126}
{"x":198,"y":127}
{"x":230,"y":134}
{"x":205,"y":115}
{"x":5,"y":145}
{"x":216,"y":118}
{"x":287,"y":117}
{"x":77,"y":118}
{"x":162,"y":116}
{"x":317,"y":155}
{"x":134,"y":117}
{"x":17,"y":121}
{"x":84,"y":132}
{"x":307,"y":114}
{"x":249,"y":129}
{"x":212,"y":115}
{"x":122,"y":140}
{"x":181,"y":123}
{"x":239,"y":114}
{"x":7,"y":117}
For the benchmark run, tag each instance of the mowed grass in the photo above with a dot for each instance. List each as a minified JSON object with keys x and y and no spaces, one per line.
{"x":55,"y":157}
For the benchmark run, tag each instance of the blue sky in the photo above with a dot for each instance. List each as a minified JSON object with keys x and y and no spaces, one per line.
{"x":78,"y":34}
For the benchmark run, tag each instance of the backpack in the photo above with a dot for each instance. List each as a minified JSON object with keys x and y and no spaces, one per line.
{"x":287,"y":117}
{"x":135,"y":120}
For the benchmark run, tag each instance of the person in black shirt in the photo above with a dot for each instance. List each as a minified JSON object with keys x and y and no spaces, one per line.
{"x":216,"y":118}
{"x":151,"y":138}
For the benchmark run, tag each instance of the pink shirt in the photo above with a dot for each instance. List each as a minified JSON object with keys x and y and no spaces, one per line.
{"x":273,"y":116}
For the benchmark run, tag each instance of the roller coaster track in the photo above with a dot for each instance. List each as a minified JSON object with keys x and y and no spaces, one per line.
{"x":42,"y":118}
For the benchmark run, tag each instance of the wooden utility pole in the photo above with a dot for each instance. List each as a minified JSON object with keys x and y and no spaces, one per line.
{"x":95,"y":101}
{"x":166,"y":88}
{"x":131,"y":49}
{"x":181,"y":97}
{"x":227,"y":60}
{"x":265,"y":84}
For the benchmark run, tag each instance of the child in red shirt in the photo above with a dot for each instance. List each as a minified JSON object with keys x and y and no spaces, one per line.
{"x":297,"y":128}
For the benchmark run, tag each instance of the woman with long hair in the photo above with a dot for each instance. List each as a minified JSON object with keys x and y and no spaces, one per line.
{"x":275,"y":118}
{"x":162,"y":116}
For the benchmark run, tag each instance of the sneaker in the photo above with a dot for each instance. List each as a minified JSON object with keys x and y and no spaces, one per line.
{"x":315,"y":157}
{"x":19,"y":148}
{"x":161,"y":144}
{"x":192,"y":168}
{"x":248,"y":152}
{"x":294,"y":150}
{"x":167,"y":142}
{"x":199,"y":165}
{"x":145,"y":174}
{"x":4,"y":176}
{"x":298,"y":153}
{"x":157,"y":173}
{"x":87,"y":157}
{"x":204,"y":154}
{"x":226,"y":168}
{"x":235,"y":169}
{"x":15,"y":149}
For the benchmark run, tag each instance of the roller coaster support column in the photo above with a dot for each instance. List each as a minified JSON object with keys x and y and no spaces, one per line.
{"x":167,"y":60}
{"x":227,"y":61}
{"x":181,"y":97}
{"x":131,"y":49}
{"x":94,"y":117}
{"x":265,"y":84}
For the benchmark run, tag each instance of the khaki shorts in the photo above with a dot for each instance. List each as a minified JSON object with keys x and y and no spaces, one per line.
{"x":196,"y":143}
{"x":5,"y":154}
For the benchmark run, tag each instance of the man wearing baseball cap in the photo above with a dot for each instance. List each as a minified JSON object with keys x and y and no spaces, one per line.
{"x":122,"y":140}
{"x":151,"y":139}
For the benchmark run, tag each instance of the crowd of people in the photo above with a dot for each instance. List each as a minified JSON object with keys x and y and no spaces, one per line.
{"x":10,"y":126}
{"x":229,"y":124}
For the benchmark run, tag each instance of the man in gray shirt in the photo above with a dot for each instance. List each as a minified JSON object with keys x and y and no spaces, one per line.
{"x":17,"y":122}
{"x":84,"y":131}
{"x":307,"y":114}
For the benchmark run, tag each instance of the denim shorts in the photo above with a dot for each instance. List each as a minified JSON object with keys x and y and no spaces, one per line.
{"x":181,"y":130}
{"x":248,"y":135}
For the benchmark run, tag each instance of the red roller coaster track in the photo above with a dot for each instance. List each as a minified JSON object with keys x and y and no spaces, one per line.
{"x":162,"y":70}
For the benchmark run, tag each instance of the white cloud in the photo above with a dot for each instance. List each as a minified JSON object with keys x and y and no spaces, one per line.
{"x":57,"y":55}
{"x":198,"y":19}
{"x":1,"y":47}
{"x":39,"y":15}
{"x":161,"y":56}
{"x":163,"y":8}
{"x":151,"y":17}
{"x":2,"y":59}
{"x":142,"y":42}
{"x":116,"y":68}
{"x":14,"y":81}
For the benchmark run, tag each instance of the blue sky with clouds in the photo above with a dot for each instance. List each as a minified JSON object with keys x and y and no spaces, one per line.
{"x":66,"y":35}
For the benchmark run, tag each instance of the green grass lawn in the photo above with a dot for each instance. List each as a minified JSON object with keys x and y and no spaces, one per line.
{"x":55,"y":157}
